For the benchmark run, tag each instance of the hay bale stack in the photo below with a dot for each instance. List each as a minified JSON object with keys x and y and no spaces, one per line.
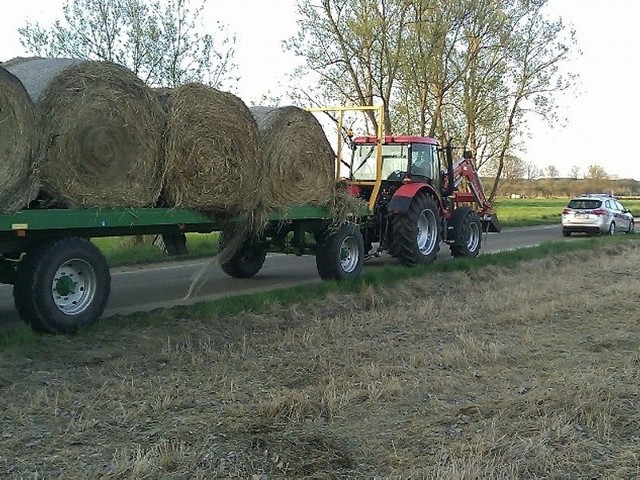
{"x":101,"y":131}
{"x":18,"y":144}
{"x":299,"y":159}
{"x":212,"y":152}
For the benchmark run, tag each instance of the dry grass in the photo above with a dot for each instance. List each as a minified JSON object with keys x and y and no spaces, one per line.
{"x":529,"y":372}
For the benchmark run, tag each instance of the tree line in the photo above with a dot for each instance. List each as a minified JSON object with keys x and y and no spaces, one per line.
{"x":565,"y":187}
{"x":473,"y":71}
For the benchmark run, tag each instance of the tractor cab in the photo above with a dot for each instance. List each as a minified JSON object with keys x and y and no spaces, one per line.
{"x":381,"y":168}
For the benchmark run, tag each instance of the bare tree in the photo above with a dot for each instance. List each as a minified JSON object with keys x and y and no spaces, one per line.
{"x":534,"y":53}
{"x":552,"y":171}
{"x":163,"y":42}
{"x":574,"y":172}
{"x":596,"y":172}
{"x":355,"y":47}
{"x":532,"y":171}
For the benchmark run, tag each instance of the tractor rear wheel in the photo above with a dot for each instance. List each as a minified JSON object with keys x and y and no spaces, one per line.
{"x":340,"y":253}
{"x":465,"y":230}
{"x":416,"y":233}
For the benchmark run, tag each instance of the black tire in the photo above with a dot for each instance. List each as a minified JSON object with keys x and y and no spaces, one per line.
{"x":612,"y":229}
{"x":566,"y":233}
{"x":632,"y":227}
{"x":340,"y":253}
{"x":465,"y":230}
{"x":416,"y":233}
{"x":62,"y":285}
{"x":246,"y":262}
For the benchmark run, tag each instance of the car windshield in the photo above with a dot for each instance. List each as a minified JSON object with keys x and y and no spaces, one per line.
{"x":584,"y":204}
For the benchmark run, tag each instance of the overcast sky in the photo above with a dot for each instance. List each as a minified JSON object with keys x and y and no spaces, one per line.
{"x":602,"y":122}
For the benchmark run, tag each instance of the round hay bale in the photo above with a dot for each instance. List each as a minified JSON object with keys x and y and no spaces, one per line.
{"x":164,"y":95}
{"x":101,"y":132}
{"x":299,"y":161}
{"x":18,"y":144}
{"x":212,"y":152}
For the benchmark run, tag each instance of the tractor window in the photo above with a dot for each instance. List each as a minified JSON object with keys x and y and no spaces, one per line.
{"x":394,"y":159}
{"x":364,"y":162}
{"x":424,"y":161}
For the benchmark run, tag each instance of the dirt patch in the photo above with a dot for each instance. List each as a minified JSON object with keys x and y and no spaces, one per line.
{"x":528,"y":372}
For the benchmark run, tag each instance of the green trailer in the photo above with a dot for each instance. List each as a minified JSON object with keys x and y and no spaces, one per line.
{"x":61,"y":281}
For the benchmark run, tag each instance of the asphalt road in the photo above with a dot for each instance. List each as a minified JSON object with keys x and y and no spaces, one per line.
{"x":148,"y":287}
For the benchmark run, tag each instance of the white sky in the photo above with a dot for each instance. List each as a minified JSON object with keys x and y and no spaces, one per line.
{"x":601,"y":122}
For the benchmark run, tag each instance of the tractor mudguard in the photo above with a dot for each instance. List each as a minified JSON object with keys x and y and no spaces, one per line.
{"x":405,"y":194}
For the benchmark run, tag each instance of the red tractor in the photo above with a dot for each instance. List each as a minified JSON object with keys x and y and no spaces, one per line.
{"x":414,"y":201}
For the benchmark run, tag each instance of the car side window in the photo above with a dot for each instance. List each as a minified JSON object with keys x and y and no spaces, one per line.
{"x":609,"y":205}
{"x":620,"y":207}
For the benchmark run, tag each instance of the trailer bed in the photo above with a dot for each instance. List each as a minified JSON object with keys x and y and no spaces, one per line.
{"x":96,"y":222}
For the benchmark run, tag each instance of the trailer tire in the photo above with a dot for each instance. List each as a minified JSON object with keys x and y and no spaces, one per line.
{"x":340,"y":253}
{"x":62,"y":285}
{"x":416,"y":233}
{"x":465,"y":231}
{"x":246,"y":262}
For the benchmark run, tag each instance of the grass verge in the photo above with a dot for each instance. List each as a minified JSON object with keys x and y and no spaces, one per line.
{"x":22,"y":336}
{"x":121,"y":251}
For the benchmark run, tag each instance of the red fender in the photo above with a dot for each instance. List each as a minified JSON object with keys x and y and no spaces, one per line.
{"x":404,"y":195}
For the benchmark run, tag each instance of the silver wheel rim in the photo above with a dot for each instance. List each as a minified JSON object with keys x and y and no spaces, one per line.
{"x":612,"y":228}
{"x":427,"y":231}
{"x":349,"y":254}
{"x":474,"y":237}
{"x":74,"y":286}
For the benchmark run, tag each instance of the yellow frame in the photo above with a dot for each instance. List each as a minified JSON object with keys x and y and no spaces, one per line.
{"x":380,"y":113}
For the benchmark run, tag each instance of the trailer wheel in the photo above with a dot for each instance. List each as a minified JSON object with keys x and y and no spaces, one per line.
{"x":246,"y":262}
{"x":416,"y":233}
{"x":62,"y":285}
{"x":340,"y":253}
{"x":465,"y":230}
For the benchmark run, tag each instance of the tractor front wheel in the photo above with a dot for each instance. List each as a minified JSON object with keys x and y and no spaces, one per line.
{"x":416,"y":233}
{"x":340,"y":253}
{"x":465,"y":230}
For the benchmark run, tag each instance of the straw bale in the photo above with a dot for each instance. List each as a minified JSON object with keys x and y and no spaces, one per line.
{"x":299,"y":161}
{"x":212,"y":152}
{"x":18,"y":144}
{"x":101,"y":131}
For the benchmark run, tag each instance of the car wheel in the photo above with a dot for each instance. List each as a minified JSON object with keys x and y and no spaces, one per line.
{"x":566,"y":233}
{"x":631,"y":227}
{"x":612,"y":229}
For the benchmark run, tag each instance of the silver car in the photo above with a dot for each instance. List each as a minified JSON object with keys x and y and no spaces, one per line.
{"x":596,"y":214}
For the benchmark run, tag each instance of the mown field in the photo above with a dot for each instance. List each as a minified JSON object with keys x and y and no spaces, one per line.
{"x":518,"y":369}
